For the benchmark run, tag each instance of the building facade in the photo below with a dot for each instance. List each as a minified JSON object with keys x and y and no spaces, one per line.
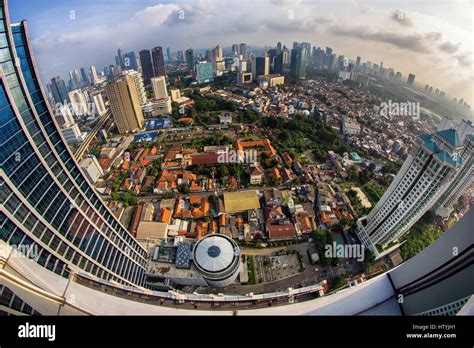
{"x":423,"y":178}
{"x":125,"y":104}
{"x":48,"y":204}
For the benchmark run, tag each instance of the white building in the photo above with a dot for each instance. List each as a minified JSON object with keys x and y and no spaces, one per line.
{"x":421,"y":181}
{"x":78,"y":102}
{"x":99,"y":104}
{"x":350,"y":126}
{"x":92,"y":169}
{"x":158,"y":84}
{"x":225,"y":118}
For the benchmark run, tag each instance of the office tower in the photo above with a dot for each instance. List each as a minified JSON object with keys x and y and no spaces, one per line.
{"x":411,"y":80}
{"x":147,"y":66}
{"x":78,"y":102}
{"x":204,"y":72}
{"x":421,"y":181}
{"x":260,"y":66}
{"x":125,"y":104}
{"x":286,"y":56}
{"x":120,"y":59}
{"x":181,"y":56}
{"x":235,"y":49}
{"x":75,"y":77}
{"x":159,"y":87}
{"x":218,"y":53}
{"x":84,"y":77}
{"x":328,"y":60}
{"x":398,"y":76}
{"x":130,"y":61}
{"x":158,"y":62}
{"x":298,"y":62}
{"x":358,"y":62}
{"x":190,"y":59}
{"x":48,"y":204}
{"x":279,"y":48}
{"x":278,"y":64}
{"x":93,"y":75}
{"x":137,"y":80}
{"x":243,"y":49}
{"x":59,"y":90}
{"x":168,"y":54}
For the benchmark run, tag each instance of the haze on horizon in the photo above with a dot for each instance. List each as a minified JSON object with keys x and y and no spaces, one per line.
{"x":432,"y":39}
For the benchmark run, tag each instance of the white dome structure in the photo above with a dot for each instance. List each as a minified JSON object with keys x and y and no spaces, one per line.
{"x":217,"y":258}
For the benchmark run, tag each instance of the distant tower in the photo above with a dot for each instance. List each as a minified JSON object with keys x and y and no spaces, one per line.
{"x":158,"y":61}
{"x":147,"y":66}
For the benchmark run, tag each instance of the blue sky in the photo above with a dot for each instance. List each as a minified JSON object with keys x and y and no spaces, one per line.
{"x":432,"y":38}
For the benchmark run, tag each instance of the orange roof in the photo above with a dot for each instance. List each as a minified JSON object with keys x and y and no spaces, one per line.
{"x":125,"y":164}
{"x":195,"y":200}
{"x":185,"y":120}
{"x":165,"y":215}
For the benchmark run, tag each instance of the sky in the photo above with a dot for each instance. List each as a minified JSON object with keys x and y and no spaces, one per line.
{"x":434,"y":39}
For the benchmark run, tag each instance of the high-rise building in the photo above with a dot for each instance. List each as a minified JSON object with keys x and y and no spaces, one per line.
{"x":84,"y":78}
{"x":243,"y":49}
{"x":422,"y":180}
{"x":190,"y":59}
{"x":279,"y":48}
{"x":158,"y":61}
{"x":147,"y":66}
{"x":411,"y":80}
{"x":298,"y":62}
{"x":159,"y":87}
{"x":169,"y":57}
{"x":204,"y":72}
{"x":78,"y":102}
{"x":278,"y":64}
{"x":125,"y":104}
{"x":130,"y":61}
{"x":59,"y":90}
{"x":235,"y":49}
{"x":47,"y":203}
{"x":218,"y":53}
{"x":93,"y":75}
{"x":137,"y":80}
{"x":119,"y":59}
{"x":260,"y":66}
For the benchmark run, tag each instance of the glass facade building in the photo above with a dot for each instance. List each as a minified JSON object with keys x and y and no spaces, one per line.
{"x":46,"y":202}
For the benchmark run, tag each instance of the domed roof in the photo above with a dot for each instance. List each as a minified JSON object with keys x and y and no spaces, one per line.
{"x":215,"y":253}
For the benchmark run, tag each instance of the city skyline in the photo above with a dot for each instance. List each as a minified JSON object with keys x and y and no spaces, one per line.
{"x":434,"y":45}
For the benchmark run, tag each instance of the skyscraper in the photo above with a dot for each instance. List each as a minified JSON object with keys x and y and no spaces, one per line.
{"x":130,"y":61}
{"x":298,"y":62}
{"x":424,"y":177}
{"x":278,"y":64}
{"x":168,"y":54}
{"x":243,"y":49}
{"x":159,"y":87}
{"x":93,"y":75}
{"x":158,"y":61}
{"x":279,"y":48}
{"x":190,"y":59}
{"x":119,"y":59}
{"x":125,"y":104}
{"x":84,"y":77}
{"x":260,"y":66}
{"x":235,"y":49}
{"x":147,"y":66}
{"x":411,"y":80}
{"x":59,"y":90}
{"x":204,"y":72}
{"x":48,"y":204}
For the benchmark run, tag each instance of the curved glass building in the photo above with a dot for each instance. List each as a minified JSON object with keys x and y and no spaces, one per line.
{"x":47,"y":205}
